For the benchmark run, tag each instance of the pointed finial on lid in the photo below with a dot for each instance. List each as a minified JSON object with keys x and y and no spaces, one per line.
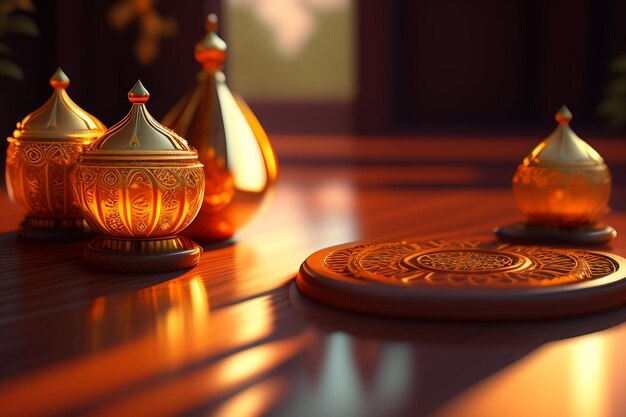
{"x":138,"y":94}
{"x":211,"y":50}
{"x":138,"y":131}
{"x":211,"y":23}
{"x":59,"y":118}
{"x":563,"y":116}
{"x":59,"y":79}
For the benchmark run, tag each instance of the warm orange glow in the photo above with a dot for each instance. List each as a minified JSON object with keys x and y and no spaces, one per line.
{"x":303,"y":212}
{"x":210,"y":382}
{"x":139,"y":202}
{"x":219,"y":187}
{"x":561,"y":197}
{"x":185,"y":331}
{"x":254,"y":401}
{"x":564,"y":378}
{"x":97,"y":309}
{"x":37,"y":177}
{"x":589,"y":380}
{"x":188,"y":313}
{"x":139,"y":179}
{"x":172,"y":327}
{"x":199,"y":303}
{"x":43,"y":151}
{"x":247,"y":364}
{"x":255,"y":321}
{"x":239,"y":162}
{"x":564,"y":181}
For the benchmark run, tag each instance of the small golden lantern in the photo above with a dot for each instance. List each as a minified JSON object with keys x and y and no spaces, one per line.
{"x":139,"y":185}
{"x":239,"y":163}
{"x":41,"y":154}
{"x":563,"y":186}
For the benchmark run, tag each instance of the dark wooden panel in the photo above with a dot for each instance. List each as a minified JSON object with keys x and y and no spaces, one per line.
{"x":453,"y":63}
{"x":462,"y":61}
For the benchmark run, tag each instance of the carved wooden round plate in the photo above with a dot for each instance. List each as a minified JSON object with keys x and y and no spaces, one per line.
{"x":463,"y":280}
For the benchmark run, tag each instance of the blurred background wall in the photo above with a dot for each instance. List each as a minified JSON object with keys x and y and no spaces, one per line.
{"x":337,"y":66}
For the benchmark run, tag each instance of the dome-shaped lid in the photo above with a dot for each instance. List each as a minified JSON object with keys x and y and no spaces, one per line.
{"x":211,"y":50}
{"x":59,"y":118}
{"x":139,"y":131}
{"x":563,"y":147}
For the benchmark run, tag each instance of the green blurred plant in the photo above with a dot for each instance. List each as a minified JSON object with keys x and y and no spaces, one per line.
{"x":13,"y":21}
{"x":613,"y":107}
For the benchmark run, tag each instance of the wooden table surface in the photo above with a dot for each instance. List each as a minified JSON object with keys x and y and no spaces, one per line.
{"x":233,"y":337}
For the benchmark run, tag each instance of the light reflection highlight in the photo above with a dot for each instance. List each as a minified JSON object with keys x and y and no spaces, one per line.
{"x":336,"y":199}
{"x":245,"y":158}
{"x":589,"y":375}
{"x":565,"y":378}
{"x":322,"y":216}
{"x":204,"y":385}
{"x":254,"y":401}
{"x":151,"y":332}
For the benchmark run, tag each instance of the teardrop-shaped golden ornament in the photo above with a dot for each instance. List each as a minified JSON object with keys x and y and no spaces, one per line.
{"x":41,"y":155}
{"x":239,"y":162}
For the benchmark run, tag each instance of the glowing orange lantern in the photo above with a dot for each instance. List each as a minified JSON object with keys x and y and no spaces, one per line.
{"x":564,"y":181}
{"x":239,"y":163}
{"x":139,"y":185}
{"x":563,"y":186}
{"x":41,"y":154}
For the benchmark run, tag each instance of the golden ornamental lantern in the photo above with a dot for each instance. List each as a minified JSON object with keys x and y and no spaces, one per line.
{"x":41,"y":154}
{"x":239,"y":163}
{"x":139,"y":185}
{"x":563,"y":186}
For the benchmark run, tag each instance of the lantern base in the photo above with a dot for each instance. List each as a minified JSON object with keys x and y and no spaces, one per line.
{"x":593,"y":234}
{"x":54,"y":230}
{"x":135,"y":255}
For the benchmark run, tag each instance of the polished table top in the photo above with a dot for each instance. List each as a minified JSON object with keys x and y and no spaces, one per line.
{"x":233,"y":337}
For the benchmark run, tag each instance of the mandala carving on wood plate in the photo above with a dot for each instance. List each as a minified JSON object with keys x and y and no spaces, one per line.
{"x":468,"y":264}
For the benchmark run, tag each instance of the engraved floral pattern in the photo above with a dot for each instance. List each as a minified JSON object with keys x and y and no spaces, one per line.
{"x":139,"y":201}
{"x":459,"y":260}
{"x":468,"y":263}
{"x":37,"y":177}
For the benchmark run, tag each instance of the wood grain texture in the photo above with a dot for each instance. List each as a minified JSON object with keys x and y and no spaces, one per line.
{"x":229,"y":338}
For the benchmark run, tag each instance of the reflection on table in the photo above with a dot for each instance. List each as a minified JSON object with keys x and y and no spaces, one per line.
{"x":234,"y":337}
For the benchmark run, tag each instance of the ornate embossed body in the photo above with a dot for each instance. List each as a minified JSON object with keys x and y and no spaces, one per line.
{"x":37,"y":177}
{"x":139,"y":185}
{"x":151,"y":200}
{"x":40,"y":158}
{"x":563,"y":182}
{"x":239,"y":163}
